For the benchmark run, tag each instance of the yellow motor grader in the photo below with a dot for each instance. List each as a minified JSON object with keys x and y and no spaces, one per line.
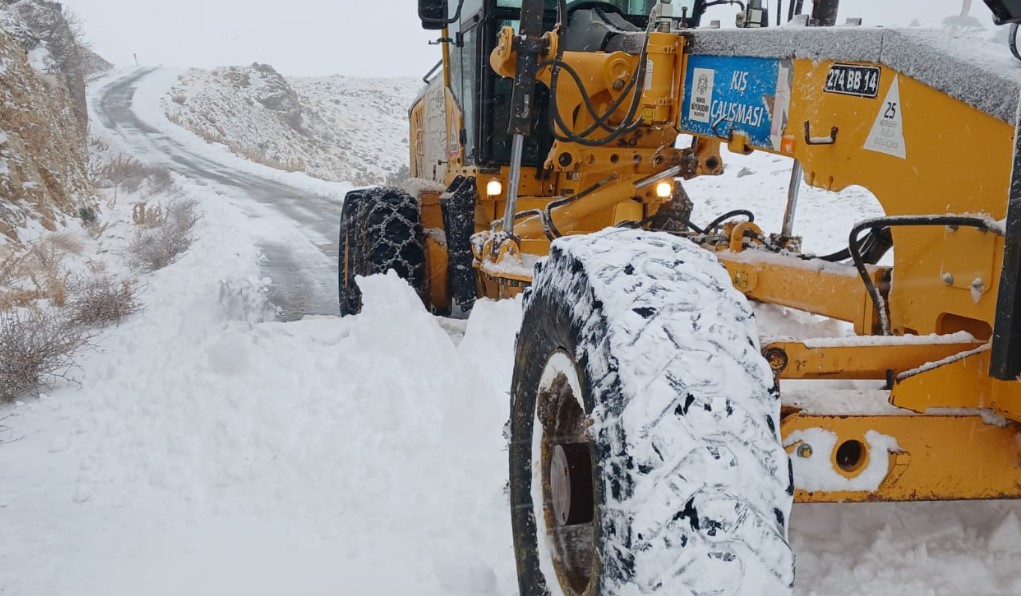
{"x":655,"y":446}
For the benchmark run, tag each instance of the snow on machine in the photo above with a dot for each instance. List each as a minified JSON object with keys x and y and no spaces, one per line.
{"x":652,"y":450}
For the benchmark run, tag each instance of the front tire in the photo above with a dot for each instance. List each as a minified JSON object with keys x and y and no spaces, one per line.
{"x":380,"y":230}
{"x":645,"y":455}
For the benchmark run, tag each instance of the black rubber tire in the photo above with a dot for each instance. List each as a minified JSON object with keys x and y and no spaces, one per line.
{"x":691,"y":486}
{"x":380,"y":230}
{"x":347,"y":255}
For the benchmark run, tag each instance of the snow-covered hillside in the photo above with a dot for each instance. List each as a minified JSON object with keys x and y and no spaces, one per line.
{"x":337,"y":128}
{"x":369,"y":119}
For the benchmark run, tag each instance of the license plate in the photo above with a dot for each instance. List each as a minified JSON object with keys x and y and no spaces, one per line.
{"x":846,"y":79}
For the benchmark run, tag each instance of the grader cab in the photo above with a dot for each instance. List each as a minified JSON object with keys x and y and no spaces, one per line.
{"x":656,"y":445}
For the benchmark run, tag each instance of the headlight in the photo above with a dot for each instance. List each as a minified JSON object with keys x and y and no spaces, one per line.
{"x":494,"y":187}
{"x":664,"y":189}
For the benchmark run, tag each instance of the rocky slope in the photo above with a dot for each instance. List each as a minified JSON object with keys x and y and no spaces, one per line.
{"x":43,"y":120}
{"x":337,"y":128}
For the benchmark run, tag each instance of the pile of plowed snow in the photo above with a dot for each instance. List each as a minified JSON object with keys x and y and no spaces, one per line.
{"x":338,"y":128}
{"x":212,"y":450}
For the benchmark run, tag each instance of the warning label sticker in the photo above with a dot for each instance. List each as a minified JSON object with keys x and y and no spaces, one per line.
{"x":702,"y":95}
{"x":781,"y":104}
{"x":887,"y":134}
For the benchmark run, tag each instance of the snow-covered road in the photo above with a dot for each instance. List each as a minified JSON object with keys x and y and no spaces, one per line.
{"x":303,"y":281}
{"x":211,"y":450}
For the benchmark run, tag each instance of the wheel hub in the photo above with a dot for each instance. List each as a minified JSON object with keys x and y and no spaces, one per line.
{"x":565,"y":498}
{"x":571,"y":484}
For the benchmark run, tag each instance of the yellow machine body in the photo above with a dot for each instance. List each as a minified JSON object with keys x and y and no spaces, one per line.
{"x":950,"y":429}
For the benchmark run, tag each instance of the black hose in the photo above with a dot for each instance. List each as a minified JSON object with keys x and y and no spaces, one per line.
{"x":635,"y":84}
{"x":872,"y":247}
{"x":600,"y":120}
{"x":728,"y":215}
{"x":836,"y":257}
{"x":903,"y":220}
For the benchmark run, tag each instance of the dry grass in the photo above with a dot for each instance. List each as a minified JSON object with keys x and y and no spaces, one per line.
{"x":253,"y":154}
{"x":131,"y":175}
{"x":146,"y":215}
{"x":37,"y":273}
{"x":209,"y":136}
{"x":160,"y":240}
{"x":260,"y":157}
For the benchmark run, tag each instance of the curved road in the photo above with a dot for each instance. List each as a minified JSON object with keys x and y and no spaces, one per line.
{"x":303,"y":283}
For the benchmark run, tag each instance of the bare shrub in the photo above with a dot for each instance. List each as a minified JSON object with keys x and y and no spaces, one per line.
{"x":125,"y":172}
{"x":88,"y":215}
{"x":145,"y":215}
{"x":101,"y":300}
{"x":156,"y":246}
{"x":47,"y":313}
{"x":36,"y":347}
{"x":96,"y":230}
{"x":76,"y":25}
{"x":90,"y":221}
{"x":98,"y":144}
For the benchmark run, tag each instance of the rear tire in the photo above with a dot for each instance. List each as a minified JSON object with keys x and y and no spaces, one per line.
{"x":645,"y":456}
{"x":349,"y":261}
{"x":380,"y":230}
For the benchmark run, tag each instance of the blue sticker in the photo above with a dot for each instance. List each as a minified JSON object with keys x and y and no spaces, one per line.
{"x":726,"y":95}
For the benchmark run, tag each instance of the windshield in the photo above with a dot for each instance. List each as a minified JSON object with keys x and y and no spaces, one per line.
{"x":638,"y":8}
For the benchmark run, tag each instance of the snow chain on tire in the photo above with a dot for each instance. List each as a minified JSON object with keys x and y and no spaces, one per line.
{"x":380,"y":230}
{"x":638,"y":379}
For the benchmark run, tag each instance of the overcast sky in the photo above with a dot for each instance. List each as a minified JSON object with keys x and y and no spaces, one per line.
{"x":323,"y":37}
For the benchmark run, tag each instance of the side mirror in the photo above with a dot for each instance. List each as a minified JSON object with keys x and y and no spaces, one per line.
{"x":433,"y":14}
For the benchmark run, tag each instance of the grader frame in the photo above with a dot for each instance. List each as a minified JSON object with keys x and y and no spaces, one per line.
{"x":930,"y":131}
